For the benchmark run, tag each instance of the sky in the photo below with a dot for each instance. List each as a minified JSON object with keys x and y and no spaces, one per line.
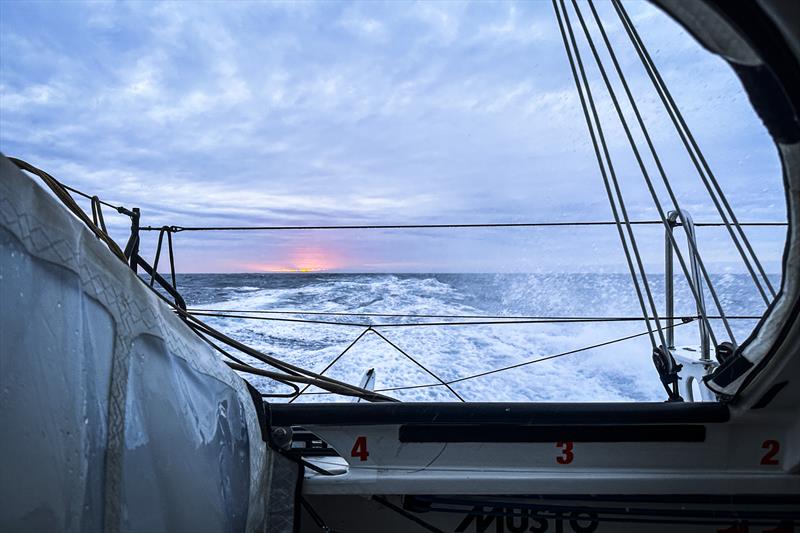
{"x":319,"y":113}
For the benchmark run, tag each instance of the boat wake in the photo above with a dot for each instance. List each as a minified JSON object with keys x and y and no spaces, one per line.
{"x":616,"y":372}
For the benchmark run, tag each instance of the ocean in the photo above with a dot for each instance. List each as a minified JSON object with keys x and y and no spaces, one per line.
{"x":620,"y":371}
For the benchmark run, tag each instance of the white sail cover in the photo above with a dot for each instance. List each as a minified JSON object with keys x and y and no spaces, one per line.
{"x":115,"y":415}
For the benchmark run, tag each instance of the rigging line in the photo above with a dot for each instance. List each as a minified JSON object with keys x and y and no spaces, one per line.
{"x":90,"y":197}
{"x":239,"y":361}
{"x":323,"y":382}
{"x":599,"y":156}
{"x":345,"y":391}
{"x":437,"y":378}
{"x":171,"y":260}
{"x":335,"y":359}
{"x":332,"y":385}
{"x":500,"y":317}
{"x":218,"y":347}
{"x":554,"y":320}
{"x":275,"y":319}
{"x":692,"y":245}
{"x":196,"y":324}
{"x":158,"y":255}
{"x":97,"y":214}
{"x":405,"y":514}
{"x":61,"y":192}
{"x":657,"y":83}
{"x":177,"y":229}
{"x":695,"y":289}
{"x":517,"y":365}
{"x":686,"y":134}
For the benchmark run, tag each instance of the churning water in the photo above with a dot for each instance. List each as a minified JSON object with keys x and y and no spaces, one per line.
{"x":616,"y":372}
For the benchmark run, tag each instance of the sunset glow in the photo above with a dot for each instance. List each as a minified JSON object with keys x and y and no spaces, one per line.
{"x":311,"y":259}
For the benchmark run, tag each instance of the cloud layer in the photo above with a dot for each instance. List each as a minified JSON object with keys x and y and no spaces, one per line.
{"x":341,"y":113}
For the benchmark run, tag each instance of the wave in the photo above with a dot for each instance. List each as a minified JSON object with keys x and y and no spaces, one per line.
{"x":617,"y":372}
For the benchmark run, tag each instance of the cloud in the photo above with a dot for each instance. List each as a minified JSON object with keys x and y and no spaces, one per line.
{"x":513,"y":28}
{"x":363,"y":26}
{"x":314,"y":113}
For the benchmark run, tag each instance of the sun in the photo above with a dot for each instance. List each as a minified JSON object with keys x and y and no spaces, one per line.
{"x":302,"y":260}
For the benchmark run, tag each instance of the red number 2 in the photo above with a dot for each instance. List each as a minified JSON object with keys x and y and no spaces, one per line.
{"x":360,"y":449}
{"x":566,"y":453}
{"x":773,"y":448}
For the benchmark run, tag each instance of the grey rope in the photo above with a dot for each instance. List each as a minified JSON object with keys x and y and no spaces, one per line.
{"x":688,"y":139}
{"x":600,"y":162}
{"x":695,"y":290}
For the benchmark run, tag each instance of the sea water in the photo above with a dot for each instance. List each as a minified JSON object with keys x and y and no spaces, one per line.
{"x":620,"y":371}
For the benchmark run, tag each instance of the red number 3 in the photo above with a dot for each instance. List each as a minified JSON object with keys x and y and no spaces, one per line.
{"x":566,"y":453}
{"x":360,"y":449}
{"x":773,"y":448}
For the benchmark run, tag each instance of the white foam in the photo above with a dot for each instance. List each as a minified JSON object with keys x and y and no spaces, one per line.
{"x":618,"y":372}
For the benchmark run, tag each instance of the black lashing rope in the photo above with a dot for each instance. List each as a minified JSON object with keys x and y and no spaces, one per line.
{"x":97,"y":214}
{"x":688,"y":139}
{"x":600,"y":161}
{"x":168,"y":231}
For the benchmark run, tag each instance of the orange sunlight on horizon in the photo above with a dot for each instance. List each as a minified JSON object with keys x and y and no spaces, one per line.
{"x":308,"y":259}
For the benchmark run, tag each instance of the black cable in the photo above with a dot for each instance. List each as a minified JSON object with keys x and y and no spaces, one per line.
{"x":335,"y":359}
{"x":692,"y":245}
{"x":437,"y":378}
{"x":90,"y":197}
{"x":177,"y":229}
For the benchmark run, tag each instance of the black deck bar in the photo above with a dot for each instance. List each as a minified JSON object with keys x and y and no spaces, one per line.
{"x":532,"y":414}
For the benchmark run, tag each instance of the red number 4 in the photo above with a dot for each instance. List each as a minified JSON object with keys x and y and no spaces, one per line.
{"x":360,"y":449}
{"x":773,"y":448}
{"x":566,"y":453}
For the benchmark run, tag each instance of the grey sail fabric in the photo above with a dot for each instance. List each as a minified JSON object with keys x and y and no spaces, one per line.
{"x":115,"y":415}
